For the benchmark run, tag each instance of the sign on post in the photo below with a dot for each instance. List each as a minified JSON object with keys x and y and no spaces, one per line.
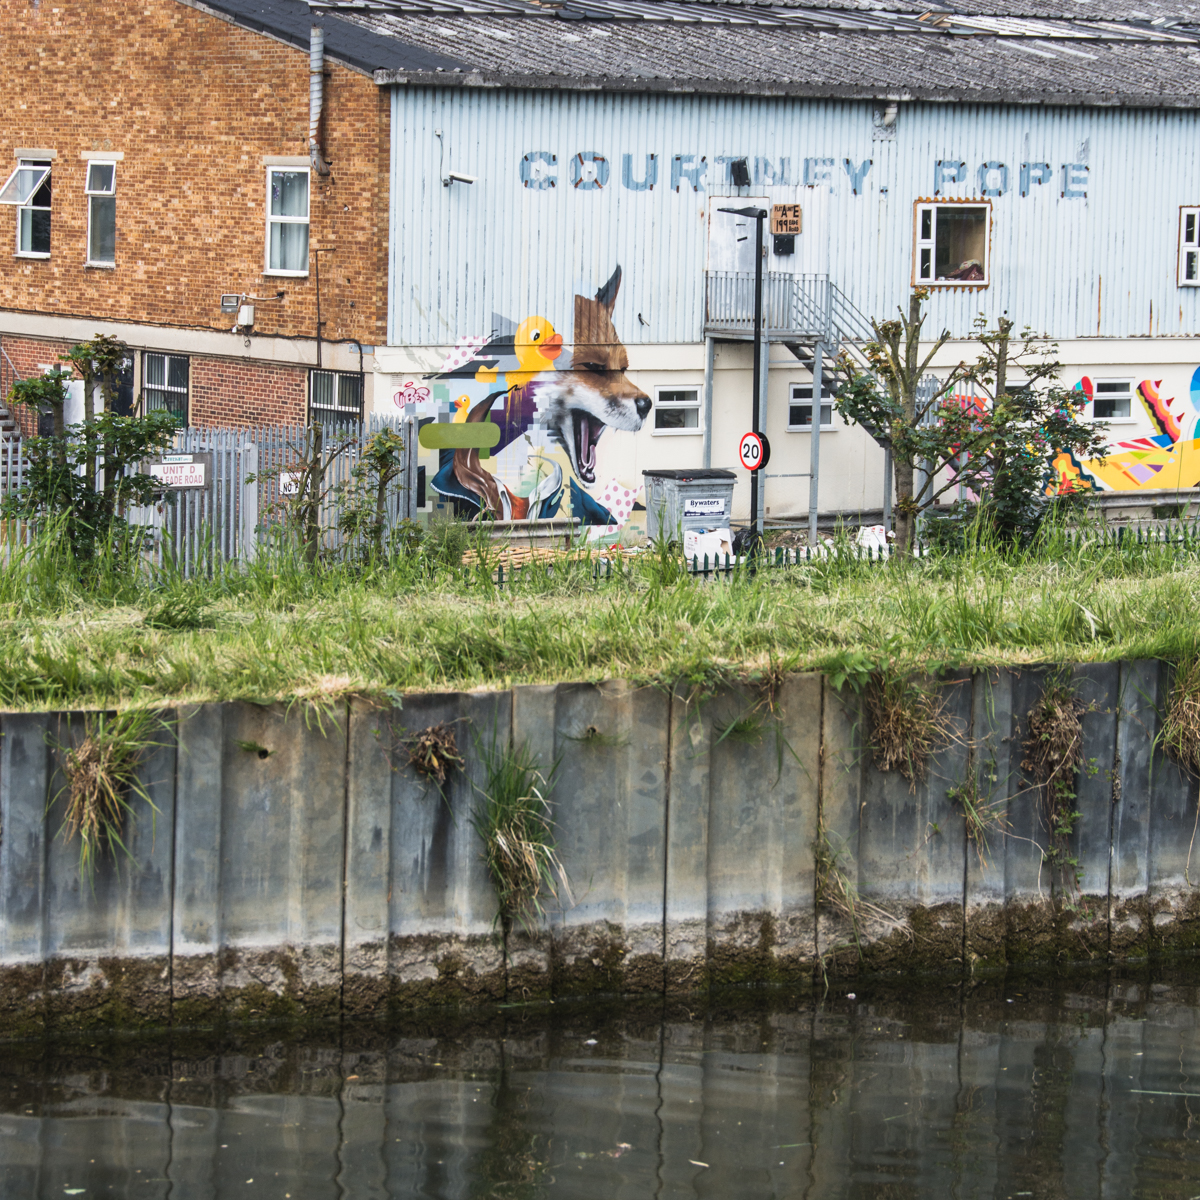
{"x":182,"y":471}
{"x":754,"y":451}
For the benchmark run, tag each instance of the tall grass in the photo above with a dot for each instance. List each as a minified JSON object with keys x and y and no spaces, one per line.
{"x":114,"y":633}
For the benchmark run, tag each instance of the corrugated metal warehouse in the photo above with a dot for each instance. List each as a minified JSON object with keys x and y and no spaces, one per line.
{"x":559,"y":258}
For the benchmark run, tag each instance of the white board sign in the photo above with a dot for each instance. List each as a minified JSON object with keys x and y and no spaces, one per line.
{"x":289,"y":483}
{"x":704,"y":506}
{"x":181,"y":471}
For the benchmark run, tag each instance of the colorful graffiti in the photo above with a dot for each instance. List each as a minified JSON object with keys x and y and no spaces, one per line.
{"x":552,"y":406}
{"x":1168,"y":458}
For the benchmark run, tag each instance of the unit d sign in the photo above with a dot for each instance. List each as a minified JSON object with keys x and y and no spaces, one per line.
{"x":179,"y":471}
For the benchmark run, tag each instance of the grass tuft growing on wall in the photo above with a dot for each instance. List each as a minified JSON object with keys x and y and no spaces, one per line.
{"x":514,"y":823}
{"x":102,"y":777}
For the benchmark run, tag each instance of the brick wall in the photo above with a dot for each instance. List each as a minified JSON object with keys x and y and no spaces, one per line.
{"x":194,"y":104}
{"x":221,"y":391}
{"x":226,"y":392}
{"x":30,"y":356}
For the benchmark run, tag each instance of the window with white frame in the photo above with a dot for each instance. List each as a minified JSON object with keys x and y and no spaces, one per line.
{"x":1189,"y":247}
{"x":950,"y":243}
{"x":1112,"y":399}
{"x":334,"y":396}
{"x":100,"y":188}
{"x":28,"y":189}
{"x":165,"y":380}
{"x":677,"y":410}
{"x":287,"y":221}
{"x":800,"y":407}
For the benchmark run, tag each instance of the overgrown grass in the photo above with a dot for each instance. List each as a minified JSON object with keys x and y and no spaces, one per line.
{"x":114,"y":636}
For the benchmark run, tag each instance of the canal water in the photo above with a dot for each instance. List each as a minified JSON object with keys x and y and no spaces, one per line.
{"x":1022,"y":1087}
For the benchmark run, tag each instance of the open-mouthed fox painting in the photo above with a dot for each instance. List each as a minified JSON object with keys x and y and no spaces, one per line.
{"x":553,"y":403}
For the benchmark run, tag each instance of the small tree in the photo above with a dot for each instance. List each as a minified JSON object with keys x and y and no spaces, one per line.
{"x":998,"y":449}
{"x":61,"y":479}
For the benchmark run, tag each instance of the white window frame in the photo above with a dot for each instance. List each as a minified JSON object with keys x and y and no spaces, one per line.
{"x":1189,"y":248}
{"x":827,"y":397}
{"x":922,"y":279}
{"x":678,"y":405}
{"x":1130,"y":384}
{"x":89,"y":192}
{"x":26,"y":164}
{"x":273,"y":220}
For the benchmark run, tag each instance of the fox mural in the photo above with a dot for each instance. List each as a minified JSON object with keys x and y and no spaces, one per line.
{"x":553,"y":404}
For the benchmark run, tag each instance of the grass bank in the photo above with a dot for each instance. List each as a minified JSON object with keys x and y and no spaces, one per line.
{"x":281,"y":631}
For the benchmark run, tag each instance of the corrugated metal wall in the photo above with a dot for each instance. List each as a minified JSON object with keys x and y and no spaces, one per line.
{"x":1104,"y":265}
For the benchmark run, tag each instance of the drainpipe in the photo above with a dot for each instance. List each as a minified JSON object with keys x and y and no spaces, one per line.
{"x":316,"y":97}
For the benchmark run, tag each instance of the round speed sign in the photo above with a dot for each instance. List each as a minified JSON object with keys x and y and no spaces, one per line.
{"x":754,"y":451}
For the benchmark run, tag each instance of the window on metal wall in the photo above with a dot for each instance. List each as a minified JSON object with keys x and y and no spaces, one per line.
{"x":165,"y":384}
{"x":677,"y":410}
{"x":951,"y":243}
{"x":101,"y":191}
{"x":287,"y":221}
{"x":334,"y":396}
{"x":1112,"y":399}
{"x":800,"y":407}
{"x":1189,"y":247}
{"x":28,"y":189}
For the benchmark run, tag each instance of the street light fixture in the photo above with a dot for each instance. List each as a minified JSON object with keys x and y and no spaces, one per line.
{"x":758,"y":216}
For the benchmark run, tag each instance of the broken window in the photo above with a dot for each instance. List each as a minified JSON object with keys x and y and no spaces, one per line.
{"x":287,"y":221}
{"x":1189,"y":247}
{"x":951,"y":243}
{"x":101,"y":190}
{"x":28,"y":188}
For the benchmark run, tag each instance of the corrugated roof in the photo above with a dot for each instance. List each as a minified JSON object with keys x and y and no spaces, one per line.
{"x":1071,"y":52}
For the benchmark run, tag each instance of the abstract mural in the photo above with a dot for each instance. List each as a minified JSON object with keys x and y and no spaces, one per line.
{"x":1167,"y":459}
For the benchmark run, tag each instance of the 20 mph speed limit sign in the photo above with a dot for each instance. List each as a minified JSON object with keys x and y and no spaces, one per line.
{"x":754,"y":451}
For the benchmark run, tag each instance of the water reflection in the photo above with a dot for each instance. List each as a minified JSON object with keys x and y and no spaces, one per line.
{"x":1085,"y":1088}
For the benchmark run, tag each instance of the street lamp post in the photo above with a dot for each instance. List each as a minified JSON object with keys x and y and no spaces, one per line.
{"x":758,"y":215}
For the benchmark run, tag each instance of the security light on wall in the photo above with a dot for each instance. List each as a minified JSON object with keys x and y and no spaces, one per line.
{"x":739,"y":172}
{"x":230,"y":302}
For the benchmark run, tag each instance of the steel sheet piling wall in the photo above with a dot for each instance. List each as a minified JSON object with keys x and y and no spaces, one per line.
{"x":1100,"y":265}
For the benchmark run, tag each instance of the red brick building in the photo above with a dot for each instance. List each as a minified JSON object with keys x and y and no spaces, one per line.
{"x":157,"y":157}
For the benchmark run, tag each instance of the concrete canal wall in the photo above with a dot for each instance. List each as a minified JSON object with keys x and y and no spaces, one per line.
{"x":298,"y":865}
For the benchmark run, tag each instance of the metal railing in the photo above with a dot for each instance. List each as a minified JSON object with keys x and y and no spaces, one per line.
{"x":805,"y":307}
{"x":245,"y":499}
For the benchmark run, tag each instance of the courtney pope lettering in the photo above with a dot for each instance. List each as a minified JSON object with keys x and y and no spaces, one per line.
{"x":591,"y":171}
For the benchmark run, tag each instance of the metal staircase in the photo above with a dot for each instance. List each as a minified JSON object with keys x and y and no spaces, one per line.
{"x":813,"y":318}
{"x":801,"y":311}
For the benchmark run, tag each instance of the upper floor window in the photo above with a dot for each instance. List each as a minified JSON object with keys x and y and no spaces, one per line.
{"x":287,"y":221}
{"x":1189,"y":247}
{"x":101,"y":190}
{"x":165,"y":384}
{"x":951,"y":243}
{"x":28,"y":188}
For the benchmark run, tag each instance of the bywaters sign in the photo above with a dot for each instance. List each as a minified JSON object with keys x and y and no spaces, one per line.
{"x":182,"y":471}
